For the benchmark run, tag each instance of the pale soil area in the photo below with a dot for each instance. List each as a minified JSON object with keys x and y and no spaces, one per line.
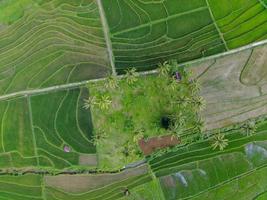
{"x":234,"y":87}
{"x":84,"y":183}
{"x":88,"y":160}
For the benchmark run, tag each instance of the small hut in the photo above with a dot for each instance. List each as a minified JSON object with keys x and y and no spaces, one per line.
{"x":66,"y":148}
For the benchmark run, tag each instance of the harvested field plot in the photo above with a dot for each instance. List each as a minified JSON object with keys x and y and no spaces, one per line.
{"x":146,"y":33}
{"x":51,"y":43}
{"x":81,"y":187}
{"x":84,"y":183}
{"x":48,"y":130}
{"x":112,"y":191}
{"x":234,"y":87}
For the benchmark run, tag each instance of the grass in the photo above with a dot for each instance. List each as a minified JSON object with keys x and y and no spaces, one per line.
{"x":137,"y":109}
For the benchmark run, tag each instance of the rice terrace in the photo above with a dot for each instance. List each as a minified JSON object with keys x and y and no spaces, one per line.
{"x":133,"y":99}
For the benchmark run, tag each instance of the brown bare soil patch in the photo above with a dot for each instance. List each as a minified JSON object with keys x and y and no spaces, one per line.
{"x":88,"y":160}
{"x":234,"y":87}
{"x":154,"y":143}
{"x":168,"y":181}
{"x":85,"y":183}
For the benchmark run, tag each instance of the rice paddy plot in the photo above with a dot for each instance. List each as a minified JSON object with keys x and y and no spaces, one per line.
{"x":17,"y":143}
{"x":49,"y":43}
{"x":197,"y":168}
{"x":21,"y":187}
{"x":63,"y":128}
{"x":240,"y":22}
{"x":144,"y":33}
{"x":47,"y":130}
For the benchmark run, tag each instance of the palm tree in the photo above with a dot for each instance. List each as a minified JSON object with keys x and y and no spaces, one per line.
{"x":128,"y":149}
{"x":199,"y":125}
{"x":139,"y":134}
{"x":178,"y":127}
{"x":131,"y":76}
{"x":111,"y":82}
{"x":249,"y":128}
{"x":199,"y":102}
{"x":90,"y":102}
{"x":219,"y":141}
{"x":164,"y":69}
{"x":104,"y":102}
{"x":173,"y":85}
{"x":98,"y":137}
{"x":194,"y":87}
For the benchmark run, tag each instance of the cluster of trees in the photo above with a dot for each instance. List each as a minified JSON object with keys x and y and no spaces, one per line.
{"x":182,"y":107}
{"x":184,"y":95}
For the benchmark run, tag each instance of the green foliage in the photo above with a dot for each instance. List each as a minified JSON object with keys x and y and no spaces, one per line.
{"x":219,"y":141}
{"x":112,"y":82}
{"x":131,"y":76}
{"x":136,"y":111}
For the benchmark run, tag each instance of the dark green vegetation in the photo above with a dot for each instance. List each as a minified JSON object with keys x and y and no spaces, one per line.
{"x":197,"y":168}
{"x":144,"y":33}
{"x":34,"y":130}
{"x":50,"y":42}
{"x":138,"y":109}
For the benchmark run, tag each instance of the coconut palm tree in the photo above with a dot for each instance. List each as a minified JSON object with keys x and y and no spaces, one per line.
{"x":249,"y":127}
{"x":199,"y":102}
{"x":131,"y":76}
{"x":98,"y":137}
{"x":164,"y":69}
{"x":112,"y":82}
{"x":178,"y":127}
{"x":128,"y":149}
{"x":194,"y":87}
{"x":138,"y":135}
{"x":90,"y":102}
{"x":199,"y":125}
{"x":219,"y":141}
{"x":104,"y":102}
{"x":173,"y":85}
